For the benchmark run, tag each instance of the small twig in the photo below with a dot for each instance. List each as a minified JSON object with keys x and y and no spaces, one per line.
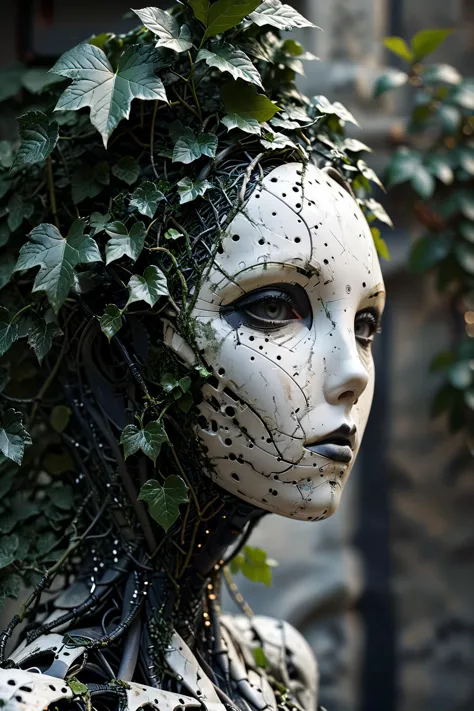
{"x":52,"y":193}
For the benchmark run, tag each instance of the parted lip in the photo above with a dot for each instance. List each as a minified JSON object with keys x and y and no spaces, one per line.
{"x":337,"y":445}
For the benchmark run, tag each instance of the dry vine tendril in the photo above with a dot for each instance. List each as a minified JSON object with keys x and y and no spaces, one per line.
{"x":109,"y":216}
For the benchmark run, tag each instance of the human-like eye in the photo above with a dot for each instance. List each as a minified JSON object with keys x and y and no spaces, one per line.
{"x":270,"y":308}
{"x":366,"y":326}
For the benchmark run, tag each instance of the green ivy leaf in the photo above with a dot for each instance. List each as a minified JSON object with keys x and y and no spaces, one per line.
{"x":88,"y":181}
{"x":38,"y":138}
{"x":108,"y":93}
{"x":166,"y":28}
{"x":450,"y":118}
{"x":127,"y":169}
{"x":173,"y":234}
{"x":254,"y":565}
{"x":249,"y":125}
{"x":445,"y":73}
{"x":57,"y":258}
{"x":398,"y":46}
{"x":164,"y":500}
{"x":284,"y":17}
{"x":324,"y":106}
{"x":189,"y":191}
{"x":62,"y":496}
{"x":9,"y":332}
{"x":440,"y":166}
{"x":122,"y":242}
{"x":276,"y":141}
{"x":429,"y":251}
{"x":40,"y":336}
{"x":260,"y":658}
{"x":190,"y":147}
{"x":9,"y":587}
{"x":388,"y":81}
{"x":464,"y":95}
{"x":423,"y":182}
{"x":148,"y":287}
{"x":98,"y":222}
{"x":380,"y":244}
{"x":148,"y":439}
{"x":426,"y":41}
{"x":243,"y":99}
{"x":146,"y":198}
{"x":77,"y":687}
{"x":403,"y":166}
{"x":200,"y":9}
{"x":8,"y":548}
{"x":378,"y":211}
{"x":18,"y":210}
{"x":223,"y":15}
{"x":13,"y":436}
{"x":60,"y":416}
{"x":111,"y":321}
{"x":228,"y":58}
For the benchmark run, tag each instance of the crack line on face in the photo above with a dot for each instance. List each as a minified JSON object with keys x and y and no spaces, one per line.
{"x":298,"y":214}
{"x":244,"y":345}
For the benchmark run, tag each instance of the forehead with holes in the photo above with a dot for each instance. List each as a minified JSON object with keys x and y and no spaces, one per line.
{"x":299,"y":217}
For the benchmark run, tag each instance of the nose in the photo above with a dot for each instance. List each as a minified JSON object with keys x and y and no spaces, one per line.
{"x":346,"y":379}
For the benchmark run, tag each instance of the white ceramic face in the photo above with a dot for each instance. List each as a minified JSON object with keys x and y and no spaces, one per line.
{"x":285,"y":321}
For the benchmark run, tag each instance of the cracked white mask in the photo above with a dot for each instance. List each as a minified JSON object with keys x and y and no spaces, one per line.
{"x":285,"y":320}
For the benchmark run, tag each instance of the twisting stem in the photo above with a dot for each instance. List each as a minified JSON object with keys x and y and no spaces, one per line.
{"x":186,"y":105}
{"x":180,"y":274}
{"x":193,"y":87}
{"x":183,"y":474}
{"x":52,"y":193}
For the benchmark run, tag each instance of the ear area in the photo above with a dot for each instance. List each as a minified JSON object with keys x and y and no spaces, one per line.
{"x":178,"y":345}
{"x":338,"y":178}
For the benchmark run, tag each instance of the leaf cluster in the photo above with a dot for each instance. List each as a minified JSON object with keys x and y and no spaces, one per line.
{"x":125,"y":146}
{"x":437,"y":162}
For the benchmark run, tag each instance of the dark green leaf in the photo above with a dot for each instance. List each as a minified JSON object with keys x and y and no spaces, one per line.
{"x":465,"y":256}
{"x":37,"y":79}
{"x":276,"y":14}
{"x":428,"y":251}
{"x":223,"y":15}
{"x":148,"y":287}
{"x":111,"y":321}
{"x":88,"y":181}
{"x":461,"y":375}
{"x":242,"y":99}
{"x":164,"y":500}
{"x":40,"y":336}
{"x":146,"y":199}
{"x":122,"y":242}
{"x":200,"y":9}
{"x":249,"y":125}
{"x":276,"y":141}
{"x":60,"y":416}
{"x":98,"y":222}
{"x":166,"y":28}
{"x":9,"y":332}
{"x":439,"y":165}
{"x":426,"y":41}
{"x":464,"y":95}
{"x":423,"y":182}
{"x":10,"y":80}
{"x":441,"y":73}
{"x":403,"y":166}
{"x":38,"y":138}
{"x":148,"y":440}
{"x":62,"y":496}
{"x":13,"y":436}
{"x":189,"y":191}
{"x":8,"y":548}
{"x":10,"y":586}
{"x":398,"y":46}
{"x":57,"y":258}
{"x":127,"y":169}
{"x":467,"y":231}
{"x":388,"y":81}
{"x":450,"y":118}
{"x":108,"y":93}
{"x":190,"y":147}
{"x":228,"y":58}
{"x":7,"y":265}
{"x":18,"y":210}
